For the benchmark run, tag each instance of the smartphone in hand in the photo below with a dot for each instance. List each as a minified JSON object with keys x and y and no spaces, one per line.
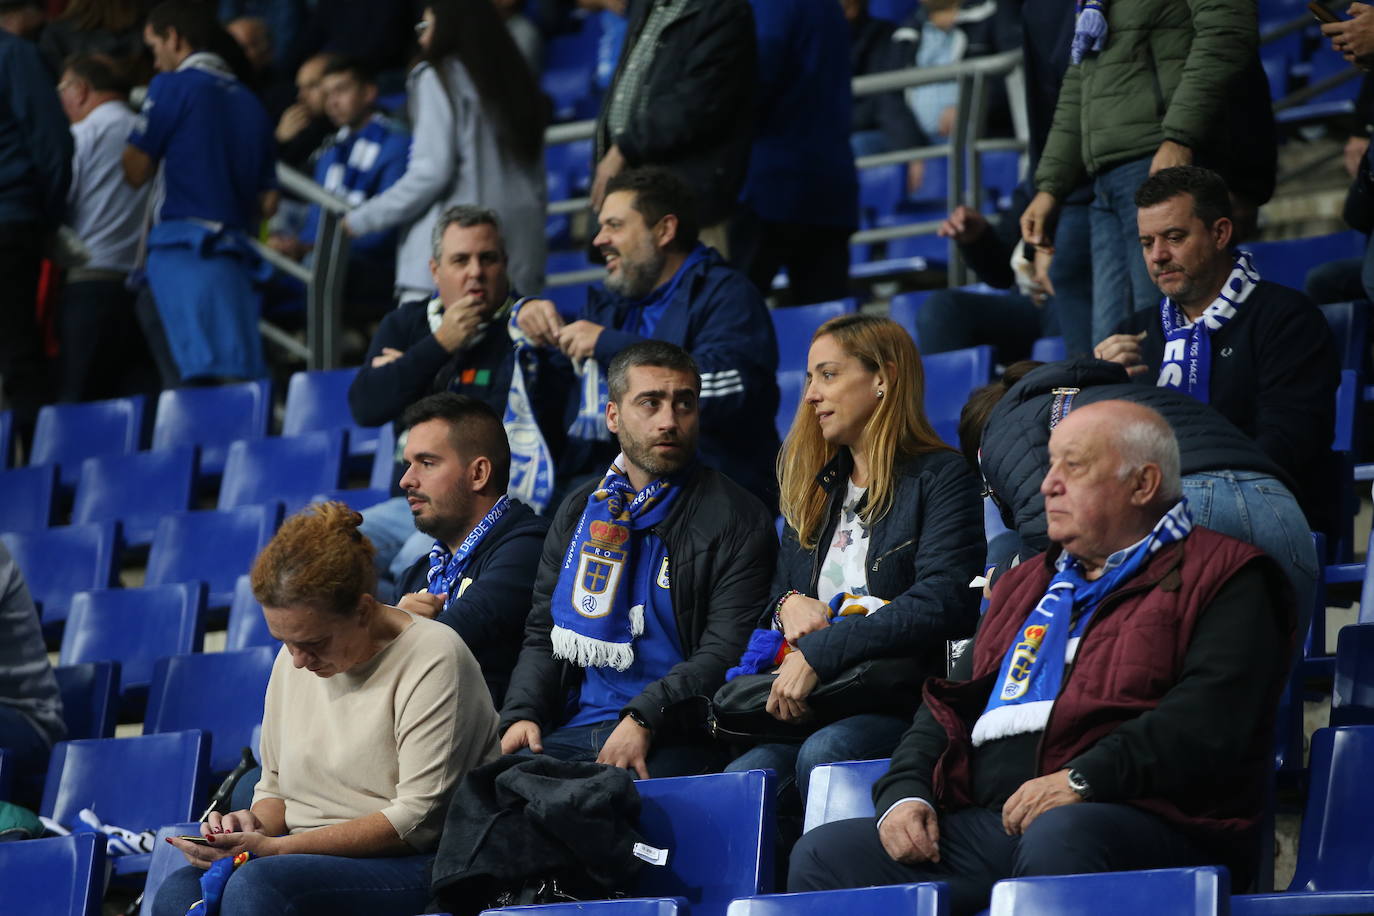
{"x":1321,"y":13}
{"x":197,"y":839}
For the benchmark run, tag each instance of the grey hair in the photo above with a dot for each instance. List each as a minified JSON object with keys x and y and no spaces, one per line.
{"x":1150,"y":440}
{"x":465,"y":216}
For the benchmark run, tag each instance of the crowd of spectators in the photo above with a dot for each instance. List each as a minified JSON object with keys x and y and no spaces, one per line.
{"x":587,"y":496}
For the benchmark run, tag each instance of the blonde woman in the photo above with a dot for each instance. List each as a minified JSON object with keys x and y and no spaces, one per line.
{"x":876,"y":507}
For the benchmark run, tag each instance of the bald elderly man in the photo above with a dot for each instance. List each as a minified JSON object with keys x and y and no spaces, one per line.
{"x":1116,"y":708}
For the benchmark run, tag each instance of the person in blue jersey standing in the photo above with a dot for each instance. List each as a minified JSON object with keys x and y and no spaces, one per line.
{"x":209,"y":142}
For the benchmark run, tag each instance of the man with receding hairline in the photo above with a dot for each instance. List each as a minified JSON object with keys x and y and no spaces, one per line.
{"x":1115,"y":710}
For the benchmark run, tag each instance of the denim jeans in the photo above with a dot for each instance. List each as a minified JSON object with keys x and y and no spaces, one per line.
{"x":391,"y":529}
{"x":306,"y":885}
{"x":1071,"y":274}
{"x":667,"y":757}
{"x":1259,"y":510}
{"x":952,"y":319}
{"x":1335,"y":281}
{"x":868,"y":736}
{"x":1121,"y":281}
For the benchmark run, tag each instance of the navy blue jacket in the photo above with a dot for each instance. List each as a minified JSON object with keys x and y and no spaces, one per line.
{"x":922,"y":554}
{"x":719,"y":317}
{"x":801,"y":169}
{"x":490,"y":612}
{"x":35,"y":139}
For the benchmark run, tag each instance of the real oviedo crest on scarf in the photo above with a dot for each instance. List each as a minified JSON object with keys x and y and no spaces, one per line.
{"x":601,"y":564}
{"x":1022,"y":661}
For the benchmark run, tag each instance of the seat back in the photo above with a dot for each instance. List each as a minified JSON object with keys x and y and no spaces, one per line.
{"x":384,"y":461}
{"x":1049,"y":350}
{"x":177,"y":700}
{"x":926,"y":899}
{"x":1349,"y":323}
{"x":288,"y":470}
{"x":59,"y":562}
{"x":904,"y":308}
{"x":26,"y":497}
{"x":794,"y":327}
{"x":719,"y":833}
{"x":164,"y":860}
{"x":211,"y":418}
{"x":950,"y":378}
{"x":318,"y":400}
{"x":67,"y":434}
{"x":1335,"y":846}
{"x":631,"y":906}
{"x":89,"y":691}
{"x":1204,"y":891}
{"x":791,"y":387}
{"x":838,"y":791}
{"x":135,"y":490}
{"x":881,"y":189}
{"x":211,"y":547}
{"x":135,"y":627}
{"x":1287,"y":261}
{"x":136,"y":783}
{"x":1352,"y":695}
{"x":247,"y":627}
{"x":61,"y":876}
{"x":6,"y":438}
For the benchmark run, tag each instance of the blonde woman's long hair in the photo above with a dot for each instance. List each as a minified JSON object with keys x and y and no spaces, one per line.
{"x":898,"y":428}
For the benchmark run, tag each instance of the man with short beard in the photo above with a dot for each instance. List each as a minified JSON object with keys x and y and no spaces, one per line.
{"x":1260,"y":353}
{"x":478,"y":575}
{"x":651,"y":580}
{"x":663,"y":284}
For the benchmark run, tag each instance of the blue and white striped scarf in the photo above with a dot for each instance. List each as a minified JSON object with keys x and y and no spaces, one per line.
{"x":531,"y":462}
{"x":1033,"y":669}
{"x":1187,"y":363}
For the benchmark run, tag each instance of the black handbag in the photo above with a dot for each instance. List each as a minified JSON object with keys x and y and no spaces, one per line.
{"x":883,"y":685}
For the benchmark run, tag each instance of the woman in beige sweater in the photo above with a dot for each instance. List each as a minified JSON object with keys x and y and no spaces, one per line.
{"x":372,"y":716}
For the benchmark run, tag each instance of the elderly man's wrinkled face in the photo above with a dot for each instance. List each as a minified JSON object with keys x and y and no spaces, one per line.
{"x":1086,"y":498}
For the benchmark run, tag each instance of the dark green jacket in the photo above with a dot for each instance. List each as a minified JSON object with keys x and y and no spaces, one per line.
{"x":1169,"y":69}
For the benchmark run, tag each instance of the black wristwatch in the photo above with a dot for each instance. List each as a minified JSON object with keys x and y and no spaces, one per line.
{"x":1079,"y":783}
{"x":638,"y":719}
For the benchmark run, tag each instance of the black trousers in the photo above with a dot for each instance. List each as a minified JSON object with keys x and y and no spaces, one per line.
{"x":23,"y":364}
{"x":103,"y":354}
{"x":975,"y":853}
{"x":816,"y":257}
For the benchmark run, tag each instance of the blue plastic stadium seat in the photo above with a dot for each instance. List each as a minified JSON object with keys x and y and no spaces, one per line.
{"x":356,"y":499}
{"x":135,"y":490}
{"x":211,"y":418}
{"x":881,"y":189}
{"x":1327,"y":62}
{"x":927,"y":899}
{"x":59,"y":562}
{"x":1201,"y":891}
{"x":6,"y":438}
{"x":247,"y":627}
{"x":839,"y":791}
{"x":569,"y":87}
{"x":791,"y":387}
{"x":1288,"y":261}
{"x":794,"y":327}
{"x":384,"y":462}
{"x":90,"y":693}
{"x":892,"y":10}
{"x":137,"y":783}
{"x":319,"y":401}
{"x":570,"y":300}
{"x":178,"y":699}
{"x":7,"y":771}
{"x":1001,"y":174}
{"x":26,"y":497}
{"x":950,"y":378}
{"x":930,"y":248}
{"x":1349,"y":323}
{"x":211,"y":547}
{"x":1049,"y":350}
{"x":559,"y":262}
{"x":60,"y":876}
{"x":633,"y":906}
{"x":135,"y":627}
{"x":905,"y":307}
{"x":67,"y":434}
{"x":165,"y":859}
{"x":934,"y":189}
{"x":1352,"y":695}
{"x":1306,"y":903}
{"x":1336,"y":847}
{"x":289,"y":470}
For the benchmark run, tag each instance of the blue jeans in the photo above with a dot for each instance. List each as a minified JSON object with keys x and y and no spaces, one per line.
{"x":1259,"y":510}
{"x":1121,"y":281}
{"x":1071,"y":274}
{"x":391,"y":529}
{"x":868,"y":736}
{"x":667,"y":757}
{"x":302,"y":885}
{"x":952,"y":319}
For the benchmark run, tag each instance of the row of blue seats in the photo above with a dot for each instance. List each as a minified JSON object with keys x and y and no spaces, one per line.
{"x":720,"y":833}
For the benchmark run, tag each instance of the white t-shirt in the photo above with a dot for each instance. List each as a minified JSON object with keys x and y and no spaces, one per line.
{"x":845,"y":566}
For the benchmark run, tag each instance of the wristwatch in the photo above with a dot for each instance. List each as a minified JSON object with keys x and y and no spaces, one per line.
{"x":637,"y":719}
{"x":1079,"y":783}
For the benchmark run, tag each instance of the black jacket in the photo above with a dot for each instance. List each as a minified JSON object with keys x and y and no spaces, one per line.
{"x":1014,"y":458}
{"x":922,"y":554}
{"x":699,"y":86}
{"x":721,"y":548}
{"x":490,"y":613}
{"x":871,"y":51}
{"x":1275,"y":371}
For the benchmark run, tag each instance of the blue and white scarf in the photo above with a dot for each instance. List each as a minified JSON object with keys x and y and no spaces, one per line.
{"x":531,"y":462}
{"x":593,"y":622}
{"x":1033,"y":669}
{"x":446,"y":567}
{"x":1089,"y":29}
{"x":1187,"y":363}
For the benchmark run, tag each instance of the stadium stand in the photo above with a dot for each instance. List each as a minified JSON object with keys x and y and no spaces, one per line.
{"x":61,"y":876}
{"x":67,"y":434}
{"x":135,"y":490}
{"x":26,"y":497}
{"x":211,"y":419}
{"x":1181,"y":891}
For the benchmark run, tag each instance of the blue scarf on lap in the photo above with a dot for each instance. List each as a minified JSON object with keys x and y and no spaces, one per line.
{"x":1033,"y":669}
{"x":593,"y":624}
{"x":1187,"y":363}
{"x":446,"y":568}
